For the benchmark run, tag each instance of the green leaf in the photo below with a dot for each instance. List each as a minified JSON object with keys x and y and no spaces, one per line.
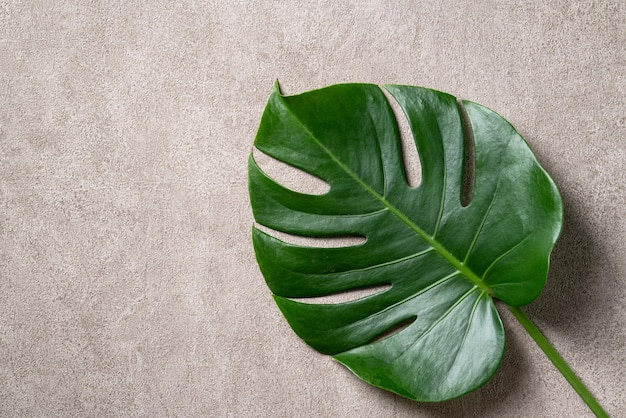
{"x":445,"y":262}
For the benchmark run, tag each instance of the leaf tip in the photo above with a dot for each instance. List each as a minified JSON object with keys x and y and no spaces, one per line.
{"x":276,"y":87}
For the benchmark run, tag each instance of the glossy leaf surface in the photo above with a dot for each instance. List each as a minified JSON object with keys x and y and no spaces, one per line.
{"x":444,"y":262}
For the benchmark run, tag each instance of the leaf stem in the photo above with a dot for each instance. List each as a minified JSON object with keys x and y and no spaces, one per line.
{"x":558,"y":361}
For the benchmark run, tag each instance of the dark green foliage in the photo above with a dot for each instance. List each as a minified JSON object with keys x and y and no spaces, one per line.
{"x":445,"y":262}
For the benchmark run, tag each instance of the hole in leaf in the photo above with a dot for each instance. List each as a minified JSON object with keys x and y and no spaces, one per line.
{"x":467,"y":186}
{"x":394,"y":330}
{"x":410,"y":157}
{"x":325,"y":242}
{"x":290,"y":177}
{"x":346,"y":296}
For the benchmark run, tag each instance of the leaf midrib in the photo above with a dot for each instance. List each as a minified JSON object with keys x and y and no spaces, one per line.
{"x":430,"y":240}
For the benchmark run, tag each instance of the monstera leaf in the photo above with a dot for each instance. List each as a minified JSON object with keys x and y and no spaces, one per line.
{"x":445,"y":262}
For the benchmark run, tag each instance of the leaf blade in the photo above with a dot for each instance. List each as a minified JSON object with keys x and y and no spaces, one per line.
{"x":436,"y":254}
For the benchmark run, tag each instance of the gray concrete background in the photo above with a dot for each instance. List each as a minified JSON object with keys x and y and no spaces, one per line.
{"x":128,"y":285}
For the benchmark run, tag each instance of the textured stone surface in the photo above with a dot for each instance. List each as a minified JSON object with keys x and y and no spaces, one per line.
{"x":128,"y":285}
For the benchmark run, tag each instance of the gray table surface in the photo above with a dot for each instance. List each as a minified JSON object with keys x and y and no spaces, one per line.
{"x":128,"y":285}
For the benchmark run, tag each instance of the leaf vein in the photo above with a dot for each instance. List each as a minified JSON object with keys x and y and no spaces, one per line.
{"x":439,"y":320}
{"x":443,"y":195}
{"x":482,"y":224}
{"x":413,"y":296}
{"x":467,"y":328}
{"x":502,"y":256}
{"x":384,"y":264}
